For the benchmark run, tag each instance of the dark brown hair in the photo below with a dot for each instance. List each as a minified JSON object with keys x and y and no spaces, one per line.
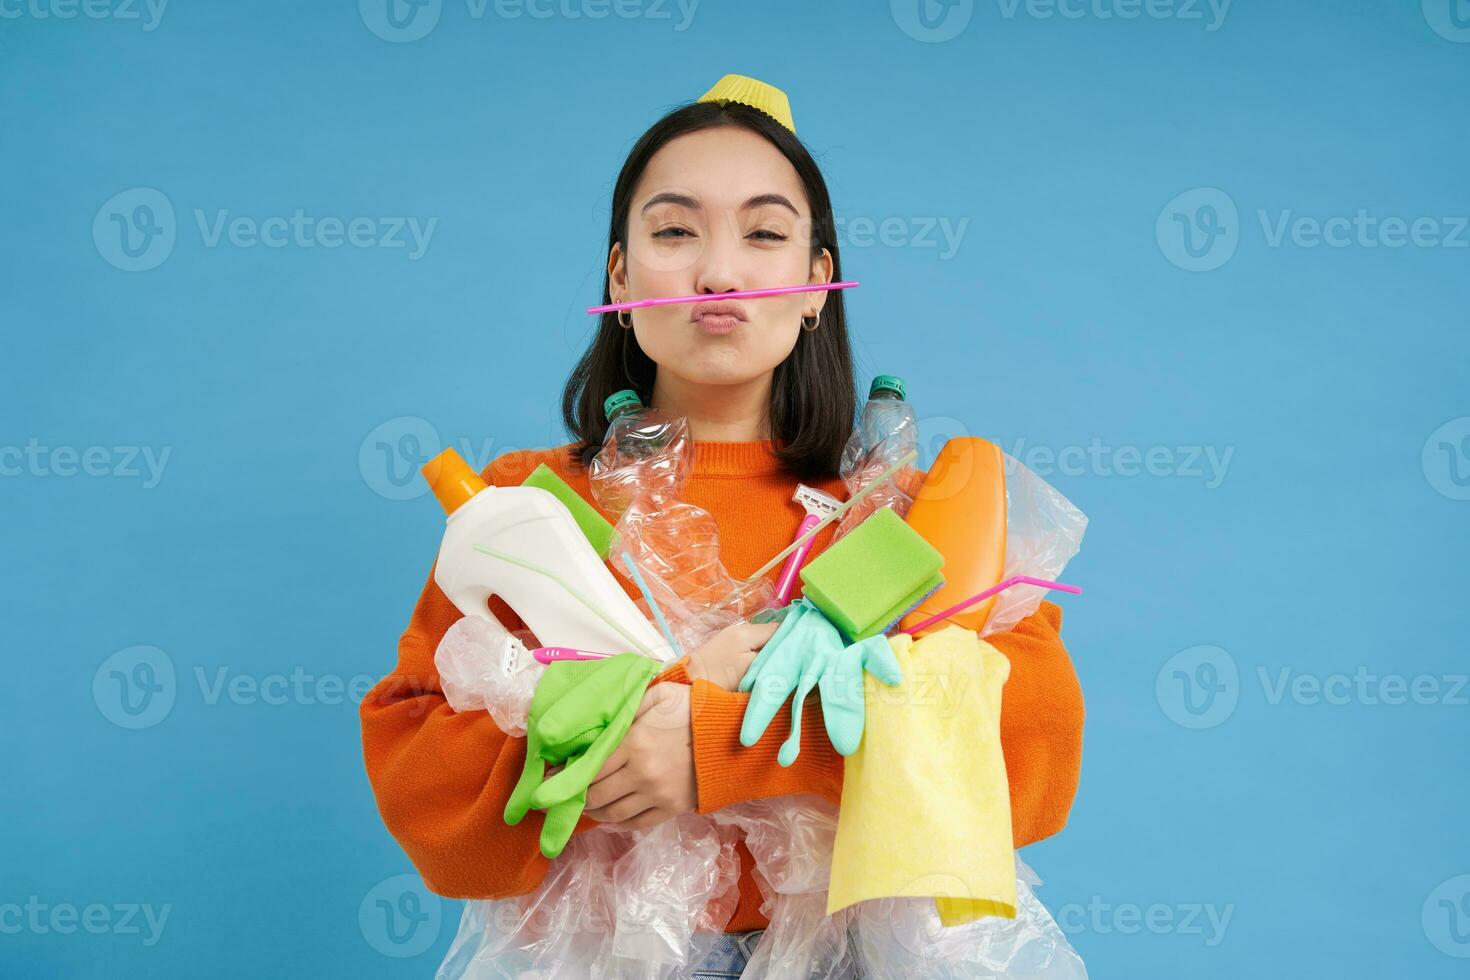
{"x":813,"y":394}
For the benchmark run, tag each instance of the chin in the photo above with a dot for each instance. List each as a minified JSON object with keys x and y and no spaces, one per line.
{"x":727,"y":370}
{"x":733,"y":376}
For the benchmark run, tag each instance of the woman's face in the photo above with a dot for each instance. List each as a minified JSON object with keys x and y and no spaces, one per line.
{"x":718,"y":210}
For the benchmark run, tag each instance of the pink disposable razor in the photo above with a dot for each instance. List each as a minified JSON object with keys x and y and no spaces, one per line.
{"x":817,"y":505}
{"x":547,"y":655}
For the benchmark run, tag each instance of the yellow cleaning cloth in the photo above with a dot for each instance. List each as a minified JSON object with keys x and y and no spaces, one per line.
{"x":926,"y":810}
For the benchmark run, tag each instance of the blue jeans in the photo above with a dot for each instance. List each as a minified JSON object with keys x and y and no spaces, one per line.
{"x":732,"y":951}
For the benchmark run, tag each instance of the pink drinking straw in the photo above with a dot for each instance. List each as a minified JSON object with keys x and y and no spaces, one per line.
{"x":638,"y":304}
{"x":993,"y":590}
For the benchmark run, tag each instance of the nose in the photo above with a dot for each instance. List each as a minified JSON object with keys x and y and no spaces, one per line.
{"x":718,"y":264}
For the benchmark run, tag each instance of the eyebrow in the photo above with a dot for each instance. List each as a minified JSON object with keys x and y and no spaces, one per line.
{"x":685,"y":201}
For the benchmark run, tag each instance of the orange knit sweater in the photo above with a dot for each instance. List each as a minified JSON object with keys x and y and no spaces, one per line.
{"x":442,"y":779}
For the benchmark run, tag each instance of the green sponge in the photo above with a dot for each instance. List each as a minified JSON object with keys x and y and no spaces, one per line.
{"x":873,"y":575}
{"x":593,"y":524}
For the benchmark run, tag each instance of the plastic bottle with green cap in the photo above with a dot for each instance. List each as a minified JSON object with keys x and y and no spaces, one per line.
{"x":636,"y":478}
{"x":886,"y":386}
{"x":620,"y":403}
{"x":885,"y":431}
{"x":635,"y":432}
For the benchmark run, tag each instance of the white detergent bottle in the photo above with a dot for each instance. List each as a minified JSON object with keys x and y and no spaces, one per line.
{"x":529,"y":524}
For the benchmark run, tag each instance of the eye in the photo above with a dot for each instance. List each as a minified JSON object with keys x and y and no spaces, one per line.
{"x":672,"y":232}
{"x":765,"y":234}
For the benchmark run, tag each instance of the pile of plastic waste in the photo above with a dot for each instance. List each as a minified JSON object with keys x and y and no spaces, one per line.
{"x":649,"y":905}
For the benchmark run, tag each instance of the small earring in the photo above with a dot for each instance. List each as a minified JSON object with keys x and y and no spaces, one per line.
{"x":816,"y":322}
{"x":625,"y":324}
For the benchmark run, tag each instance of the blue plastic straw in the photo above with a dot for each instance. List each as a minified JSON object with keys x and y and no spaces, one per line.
{"x":658,"y":613}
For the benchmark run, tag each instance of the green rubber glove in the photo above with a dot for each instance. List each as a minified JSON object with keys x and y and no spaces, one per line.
{"x":580,"y":712}
{"x":556,"y":830}
{"x":843,"y":697}
{"x":603,"y":711}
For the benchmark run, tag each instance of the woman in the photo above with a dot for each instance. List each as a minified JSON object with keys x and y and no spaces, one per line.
{"x":717,"y":196}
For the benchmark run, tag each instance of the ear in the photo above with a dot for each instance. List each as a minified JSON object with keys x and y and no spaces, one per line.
{"x":821,"y":271}
{"x":617,"y":273}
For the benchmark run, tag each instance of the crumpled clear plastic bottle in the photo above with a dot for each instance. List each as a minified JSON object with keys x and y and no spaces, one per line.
{"x":636,"y":478}
{"x":885,"y":431}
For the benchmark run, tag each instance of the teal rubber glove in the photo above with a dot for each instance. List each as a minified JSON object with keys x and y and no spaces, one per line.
{"x":579,"y":713}
{"x":843,"y":697}
{"x":807,"y":651}
{"x":793,"y":659}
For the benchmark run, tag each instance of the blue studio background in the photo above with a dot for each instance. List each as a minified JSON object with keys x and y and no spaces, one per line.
{"x":1203,"y":267}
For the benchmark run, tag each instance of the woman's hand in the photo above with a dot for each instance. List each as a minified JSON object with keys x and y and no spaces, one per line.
{"x":724,"y":657}
{"x":650,"y":775}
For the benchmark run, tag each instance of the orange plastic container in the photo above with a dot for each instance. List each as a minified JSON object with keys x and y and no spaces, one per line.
{"x":960,"y":509}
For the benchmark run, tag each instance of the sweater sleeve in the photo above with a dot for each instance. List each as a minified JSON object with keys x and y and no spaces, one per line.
{"x":1041,"y":737}
{"x":727,"y":772}
{"x":1041,"y":717}
{"x":441,"y":779}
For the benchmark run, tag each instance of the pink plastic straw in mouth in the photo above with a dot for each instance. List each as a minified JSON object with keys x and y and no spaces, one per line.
{"x":993,"y":590}
{"x":638,"y":304}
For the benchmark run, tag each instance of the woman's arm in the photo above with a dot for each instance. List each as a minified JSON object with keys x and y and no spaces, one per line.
{"x":442,"y":779}
{"x":1041,"y":718}
{"x":1040,"y":727}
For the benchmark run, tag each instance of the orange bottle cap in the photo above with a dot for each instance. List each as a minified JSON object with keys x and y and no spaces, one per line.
{"x":452,"y":480}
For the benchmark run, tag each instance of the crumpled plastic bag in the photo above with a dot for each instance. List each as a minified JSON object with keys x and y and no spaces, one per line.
{"x":790,"y":838}
{"x":483,"y":666}
{"x":1043,"y":532}
{"x":626,"y":905}
{"x":616,"y":904}
{"x":901,"y":938}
